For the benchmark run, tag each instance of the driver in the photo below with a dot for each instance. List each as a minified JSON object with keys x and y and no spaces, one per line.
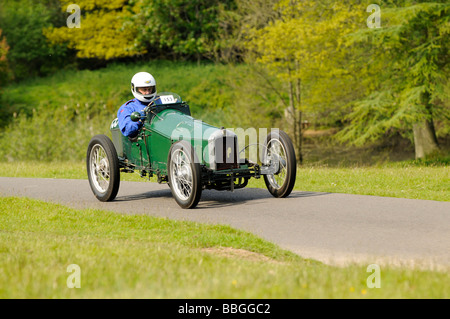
{"x":143,"y":87}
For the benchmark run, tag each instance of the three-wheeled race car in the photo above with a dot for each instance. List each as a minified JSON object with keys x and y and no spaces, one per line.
{"x":188,"y":154}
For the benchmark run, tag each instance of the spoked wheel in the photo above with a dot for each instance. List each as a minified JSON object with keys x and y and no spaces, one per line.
{"x":279,"y":149}
{"x":103,"y":168}
{"x":184,"y":174}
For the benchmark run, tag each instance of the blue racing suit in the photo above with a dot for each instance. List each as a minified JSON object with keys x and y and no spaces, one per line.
{"x":126,"y":125}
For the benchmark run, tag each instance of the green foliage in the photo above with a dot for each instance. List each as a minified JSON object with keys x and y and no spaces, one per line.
{"x":407,"y":69}
{"x":375,"y":82}
{"x":371,"y":117}
{"x":22,"y":22}
{"x":301,"y":48}
{"x":304,"y":43}
{"x":180,"y":28}
{"x":161,"y":28}
{"x":103,"y":33}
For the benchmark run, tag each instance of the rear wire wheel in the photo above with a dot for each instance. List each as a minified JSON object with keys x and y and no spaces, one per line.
{"x":103,"y":168}
{"x":279,"y":147}
{"x":184,"y":175}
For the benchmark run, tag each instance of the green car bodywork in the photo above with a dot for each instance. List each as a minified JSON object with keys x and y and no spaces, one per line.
{"x":166,"y":125}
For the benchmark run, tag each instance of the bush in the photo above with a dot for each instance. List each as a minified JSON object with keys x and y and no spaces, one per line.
{"x":22,"y":22}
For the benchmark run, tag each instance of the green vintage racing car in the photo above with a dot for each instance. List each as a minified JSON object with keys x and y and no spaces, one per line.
{"x":188,"y":154}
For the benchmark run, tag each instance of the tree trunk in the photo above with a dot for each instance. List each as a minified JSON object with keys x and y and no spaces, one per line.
{"x":299,"y":115}
{"x":300,"y":138}
{"x":425,"y":140}
{"x":294,"y":118}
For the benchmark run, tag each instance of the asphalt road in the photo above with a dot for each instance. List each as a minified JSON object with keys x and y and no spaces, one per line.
{"x":332,"y":228}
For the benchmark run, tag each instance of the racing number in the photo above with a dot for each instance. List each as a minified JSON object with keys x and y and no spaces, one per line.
{"x":167,"y":99}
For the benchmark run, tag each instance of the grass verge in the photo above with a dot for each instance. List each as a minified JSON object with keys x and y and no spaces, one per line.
{"x":403,"y":180}
{"x":136,"y":256}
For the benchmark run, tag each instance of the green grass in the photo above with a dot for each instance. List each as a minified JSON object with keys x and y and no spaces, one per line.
{"x":402,"y":180}
{"x":72,"y":88}
{"x":136,"y":256}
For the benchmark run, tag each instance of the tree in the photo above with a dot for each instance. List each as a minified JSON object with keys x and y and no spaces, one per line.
{"x":22,"y":22}
{"x":179,"y":28}
{"x":104,"y":32}
{"x":392,"y":79}
{"x":235,"y":22}
{"x":407,"y":75}
{"x":298,"y":45}
{"x":122,"y":28}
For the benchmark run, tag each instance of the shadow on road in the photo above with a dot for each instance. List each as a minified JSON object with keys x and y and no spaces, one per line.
{"x":218,"y":199}
{"x":147,"y":195}
{"x":307,"y":194}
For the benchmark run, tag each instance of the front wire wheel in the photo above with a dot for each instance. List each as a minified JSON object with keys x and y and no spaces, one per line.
{"x":279,"y":149}
{"x":103,"y":168}
{"x":184,"y":175}
{"x":99,"y":168}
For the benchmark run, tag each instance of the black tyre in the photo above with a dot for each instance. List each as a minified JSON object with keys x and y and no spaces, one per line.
{"x":279,"y":146}
{"x":184,"y":174}
{"x":102,"y":166}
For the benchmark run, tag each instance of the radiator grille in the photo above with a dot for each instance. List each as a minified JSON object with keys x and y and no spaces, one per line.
{"x":226,"y":153}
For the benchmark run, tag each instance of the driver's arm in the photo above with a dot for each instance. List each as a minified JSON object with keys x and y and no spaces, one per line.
{"x":126,"y":125}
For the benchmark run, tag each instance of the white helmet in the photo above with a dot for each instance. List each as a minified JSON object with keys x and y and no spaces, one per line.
{"x":143,"y":80}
